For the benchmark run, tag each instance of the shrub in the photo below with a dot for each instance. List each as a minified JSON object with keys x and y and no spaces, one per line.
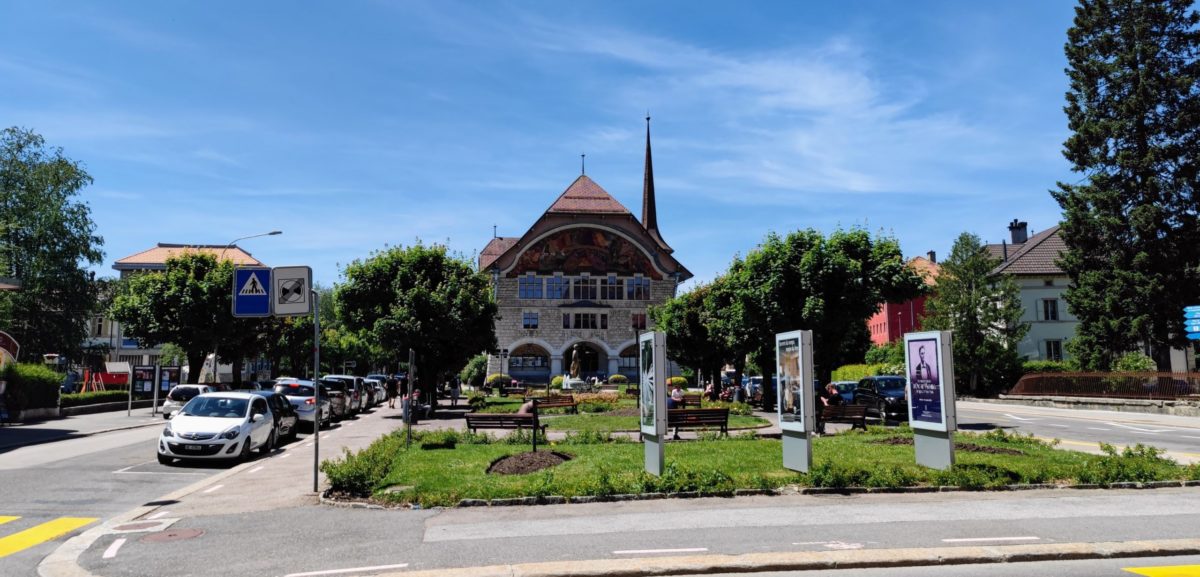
{"x":31,"y":386}
{"x":594,"y":406}
{"x":734,"y":408}
{"x":498,"y":379}
{"x":1133,"y":362}
{"x":889,"y":354}
{"x":1044,"y":367}
{"x":475,"y":371}
{"x":681,"y":381}
{"x":358,"y":474}
{"x":615,"y":379}
{"x":1134,"y":464}
{"x":477,"y":401}
{"x":556,"y":382}
{"x":92,"y":398}
{"x":855,"y":372}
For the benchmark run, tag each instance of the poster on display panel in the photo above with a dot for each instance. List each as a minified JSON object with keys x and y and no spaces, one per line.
{"x":793,"y":369}
{"x":651,"y":386}
{"x":929,"y":363}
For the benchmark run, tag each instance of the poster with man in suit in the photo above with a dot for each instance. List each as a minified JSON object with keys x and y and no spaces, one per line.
{"x":924,"y":382}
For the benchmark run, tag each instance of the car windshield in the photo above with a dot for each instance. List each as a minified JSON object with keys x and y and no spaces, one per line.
{"x":183,"y":394}
{"x":334,"y":385}
{"x":215,"y":407}
{"x":891,"y":385}
{"x":295,"y":390}
{"x":844,"y":387}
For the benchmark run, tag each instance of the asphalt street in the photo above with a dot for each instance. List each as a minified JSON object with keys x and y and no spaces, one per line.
{"x":1186,"y":566}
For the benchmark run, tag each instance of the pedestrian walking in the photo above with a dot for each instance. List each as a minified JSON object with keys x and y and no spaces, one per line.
{"x":455,"y":389}
{"x":393,"y":385}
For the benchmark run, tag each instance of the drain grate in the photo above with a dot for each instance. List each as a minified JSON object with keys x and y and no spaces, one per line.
{"x":172,"y":535}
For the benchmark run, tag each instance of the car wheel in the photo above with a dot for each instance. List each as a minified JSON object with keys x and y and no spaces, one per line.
{"x":293,"y":431}
{"x":166,"y":416}
{"x":245,"y":454}
{"x":883,"y":420}
{"x":266,"y":447}
{"x":164,"y":460}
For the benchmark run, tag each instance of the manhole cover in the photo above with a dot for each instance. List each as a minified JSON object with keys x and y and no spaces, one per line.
{"x":172,"y":535}
{"x":137,"y":526}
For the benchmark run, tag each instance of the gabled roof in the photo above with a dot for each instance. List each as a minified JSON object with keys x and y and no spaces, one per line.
{"x":156,"y":258}
{"x":584,"y":196}
{"x":1037,"y":256}
{"x":496,"y":247}
{"x":926,"y":268}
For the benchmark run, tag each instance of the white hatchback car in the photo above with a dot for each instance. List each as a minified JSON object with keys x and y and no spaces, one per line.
{"x":180,"y":395}
{"x":218,"y":426}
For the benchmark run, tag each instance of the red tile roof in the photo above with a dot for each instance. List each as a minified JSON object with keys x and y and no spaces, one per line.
{"x":584,"y":196}
{"x":926,"y":268}
{"x":156,"y":258}
{"x":496,"y":247}
{"x":1037,"y":256}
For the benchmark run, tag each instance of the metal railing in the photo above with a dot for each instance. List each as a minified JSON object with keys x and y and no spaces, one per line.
{"x":1160,"y":386}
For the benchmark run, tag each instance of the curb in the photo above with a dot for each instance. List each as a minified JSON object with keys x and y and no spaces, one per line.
{"x":822,"y":560}
{"x":70,"y":436}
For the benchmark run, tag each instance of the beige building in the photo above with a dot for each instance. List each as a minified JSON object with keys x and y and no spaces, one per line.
{"x":578,"y":284}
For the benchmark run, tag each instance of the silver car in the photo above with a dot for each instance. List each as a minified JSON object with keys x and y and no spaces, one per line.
{"x":300,"y":394}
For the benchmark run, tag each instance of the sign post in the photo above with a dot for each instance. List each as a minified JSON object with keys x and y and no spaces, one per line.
{"x":652,"y":365}
{"x":317,"y":389}
{"x":251,"y":293}
{"x":797,"y":413}
{"x":406,"y":403}
{"x":1191,"y":322}
{"x":929,"y":365}
{"x":291,"y":287}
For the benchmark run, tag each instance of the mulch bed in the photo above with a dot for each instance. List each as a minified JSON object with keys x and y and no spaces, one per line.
{"x":957,"y":445}
{"x":523,"y":463}
{"x":624,"y":412}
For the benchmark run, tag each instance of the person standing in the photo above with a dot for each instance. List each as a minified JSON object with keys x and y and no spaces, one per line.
{"x":455,"y":389}
{"x":393,"y":385}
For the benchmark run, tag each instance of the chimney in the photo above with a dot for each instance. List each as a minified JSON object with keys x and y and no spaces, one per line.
{"x":932,"y":257}
{"x":1019,"y":230}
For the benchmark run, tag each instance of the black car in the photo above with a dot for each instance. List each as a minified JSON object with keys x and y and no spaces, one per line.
{"x":883,"y":395}
{"x":287,"y":421}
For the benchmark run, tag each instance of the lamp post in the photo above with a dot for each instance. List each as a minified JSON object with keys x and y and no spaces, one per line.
{"x":221,"y":255}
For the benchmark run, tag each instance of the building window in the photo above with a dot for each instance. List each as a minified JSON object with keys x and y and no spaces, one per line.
{"x":638,"y":320}
{"x":585,"y":289}
{"x":1050,"y":309}
{"x":637,"y":289}
{"x":557,"y":287}
{"x":1054,"y":351}
{"x":604,"y":322}
{"x":611,"y":289}
{"x":566,"y":320}
{"x":529,"y":320}
{"x":529,"y":287}
{"x":1048,"y":282}
{"x":98,"y":327}
{"x":585,"y":320}
{"x":527,"y":362}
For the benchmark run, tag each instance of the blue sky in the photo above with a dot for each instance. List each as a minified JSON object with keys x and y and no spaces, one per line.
{"x":355,"y":125}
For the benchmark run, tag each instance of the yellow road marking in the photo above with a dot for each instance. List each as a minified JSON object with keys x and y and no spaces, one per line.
{"x":41,"y":533}
{"x":1175,"y":571}
{"x":4,"y":519}
{"x":1096,"y":445}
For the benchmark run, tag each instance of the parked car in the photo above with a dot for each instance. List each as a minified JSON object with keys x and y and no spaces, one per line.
{"x":885,"y":396}
{"x":287,"y":419}
{"x":846,"y":390}
{"x":300,"y":394}
{"x":338,"y":397}
{"x":180,"y":395}
{"x":370,"y":394}
{"x":380,"y":387}
{"x":245,"y":386}
{"x":218,"y":426}
{"x":355,"y":393}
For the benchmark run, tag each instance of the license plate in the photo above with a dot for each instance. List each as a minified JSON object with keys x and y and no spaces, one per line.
{"x":193,"y":447}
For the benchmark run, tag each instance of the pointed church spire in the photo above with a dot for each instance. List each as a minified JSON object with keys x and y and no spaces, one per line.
{"x":649,"y":215}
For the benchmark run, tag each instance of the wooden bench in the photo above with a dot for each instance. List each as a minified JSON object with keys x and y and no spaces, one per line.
{"x":690,"y":400}
{"x":698,"y":419}
{"x":632,"y":390}
{"x":503,"y":421}
{"x":558,"y":402}
{"x":856,"y":415}
{"x":507,"y":390}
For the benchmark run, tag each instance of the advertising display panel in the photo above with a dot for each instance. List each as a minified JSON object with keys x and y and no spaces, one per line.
{"x":168,"y":378}
{"x":143,"y":379}
{"x":930,"y":372}
{"x":652,"y":378}
{"x":793,"y":358}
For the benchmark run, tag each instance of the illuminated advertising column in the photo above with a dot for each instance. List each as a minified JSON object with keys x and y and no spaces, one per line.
{"x":652,"y":415}
{"x":794,"y":375}
{"x":929,"y":366}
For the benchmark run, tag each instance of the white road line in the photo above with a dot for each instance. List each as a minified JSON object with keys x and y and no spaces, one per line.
{"x":159,"y":515}
{"x":1098,"y":429}
{"x":981,"y":539}
{"x":1018,"y":418}
{"x":649,"y":551}
{"x":211,"y":489}
{"x":112,"y":549}
{"x":1059,"y":426}
{"x":1139,"y":429}
{"x":254,"y":470}
{"x":352,"y":570}
{"x":286,"y":455}
{"x":1189,"y":437}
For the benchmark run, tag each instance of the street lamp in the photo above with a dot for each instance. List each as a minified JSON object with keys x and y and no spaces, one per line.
{"x":216,"y":363}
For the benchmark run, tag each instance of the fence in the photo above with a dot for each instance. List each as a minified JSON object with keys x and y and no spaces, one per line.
{"x":1166,"y":386}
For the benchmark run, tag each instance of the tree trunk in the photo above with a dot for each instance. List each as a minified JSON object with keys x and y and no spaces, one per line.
{"x":195,"y":361}
{"x":238,"y":363}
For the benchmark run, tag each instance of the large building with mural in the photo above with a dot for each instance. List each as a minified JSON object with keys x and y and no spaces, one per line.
{"x":578,"y":284}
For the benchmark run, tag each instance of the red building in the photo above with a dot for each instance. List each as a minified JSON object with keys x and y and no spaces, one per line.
{"x":895,"y":319}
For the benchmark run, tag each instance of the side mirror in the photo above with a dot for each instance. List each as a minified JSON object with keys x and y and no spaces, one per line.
{"x":256,"y":418}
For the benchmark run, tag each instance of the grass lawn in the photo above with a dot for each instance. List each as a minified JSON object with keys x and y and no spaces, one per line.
{"x":603,"y":423}
{"x":877,"y":458}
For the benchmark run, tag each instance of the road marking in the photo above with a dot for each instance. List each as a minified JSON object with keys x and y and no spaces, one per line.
{"x":1018,"y":418}
{"x":41,"y":533}
{"x":1189,"y":437}
{"x":352,"y":570}
{"x":158,"y":515}
{"x":286,"y":455}
{"x":1059,"y":426}
{"x":982,"y":539}
{"x":254,"y":470}
{"x":1139,"y":429}
{"x":1172,"y":571}
{"x":649,"y":551}
{"x":1098,"y":429}
{"x":211,"y":489}
{"x":5,"y":519}
{"x":842,"y":546}
{"x":112,"y":549}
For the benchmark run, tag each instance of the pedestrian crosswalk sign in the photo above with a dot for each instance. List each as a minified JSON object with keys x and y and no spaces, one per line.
{"x":252,"y":292}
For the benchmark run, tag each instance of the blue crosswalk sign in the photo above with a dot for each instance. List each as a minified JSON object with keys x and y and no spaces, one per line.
{"x":252,"y":292}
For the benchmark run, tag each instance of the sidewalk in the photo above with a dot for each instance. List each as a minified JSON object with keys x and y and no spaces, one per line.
{"x":35,"y":432}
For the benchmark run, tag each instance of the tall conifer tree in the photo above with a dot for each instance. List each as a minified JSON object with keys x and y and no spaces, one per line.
{"x":1130,"y":224}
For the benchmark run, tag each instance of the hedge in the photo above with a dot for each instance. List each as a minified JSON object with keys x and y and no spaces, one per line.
{"x":856,"y":372}
{"x":498,"y":379}
{"x":93,"y":398}
{"x":618,"y":380}
{"x":681,"y":381}
{"x":1044,"y":367}
{"x":31,"y":386}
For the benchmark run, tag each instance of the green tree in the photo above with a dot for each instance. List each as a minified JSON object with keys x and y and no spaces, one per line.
{"x":830,"y":286}
{"x":47,"y":239}
{"x":984,"y":311}
{"x":421,"y":298}
{"x":684,"y":319}
{"x":475,"y":371}
{"x":187,"y":304}
{"x":1130,"y":226}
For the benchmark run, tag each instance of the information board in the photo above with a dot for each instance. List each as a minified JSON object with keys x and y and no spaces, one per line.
{"x":652,"y":376}
{"x":930,"y":371}
{"x":793,"y":369}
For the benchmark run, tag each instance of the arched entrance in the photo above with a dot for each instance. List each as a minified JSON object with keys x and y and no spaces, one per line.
{"x":593,"y":361}
{"x":529,"y":363}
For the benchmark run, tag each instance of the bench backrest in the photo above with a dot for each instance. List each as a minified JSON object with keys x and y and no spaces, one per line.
{"x":844,"y":411}
{"x":717,"y":415}
{"x":501,"y":420}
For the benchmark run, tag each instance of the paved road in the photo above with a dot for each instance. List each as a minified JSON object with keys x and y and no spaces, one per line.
{"x":1187,"y":566}
{"x":1084,"y":430}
